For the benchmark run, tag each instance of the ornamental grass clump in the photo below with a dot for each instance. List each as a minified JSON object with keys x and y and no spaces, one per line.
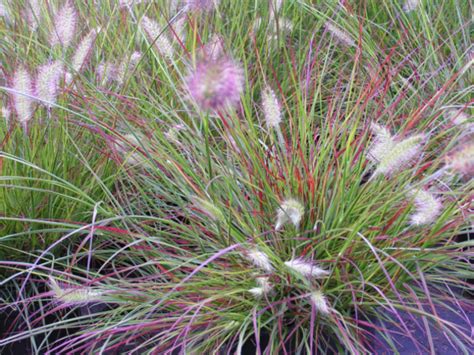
{"x":290,"y":196}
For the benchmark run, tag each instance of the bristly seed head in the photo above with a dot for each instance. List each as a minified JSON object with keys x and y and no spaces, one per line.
{"x":64,"y":25}
{"x":155,"y":35}
{"x":462,"y":160}
{"x":271,"y":108}
{"x":341,"y":35}
{"x":290,"y":210}
{"x":208,"y":208}
{"x":47,"y":82}
{"x":83,"y":51}
{"x":260,"y":259}
{"x":320,"y":302}
{"x":264,"y":287}
{"x":306,"y":268}
{"x":23,"y":105}
{"x":393,"y":155}
{"x":216,"y":84}
{"x":427,"y":208}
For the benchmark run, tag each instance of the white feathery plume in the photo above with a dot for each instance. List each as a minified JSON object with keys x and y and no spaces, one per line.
{"x":83,"y":51}
{"x":462,"y":160}
{"x":73,"y":296}
{"x":264,"y":287}
{"x":410,"y":5}
{"x":289,"y":211}
{"x":23,"y":104}
{"x":47,"y":82}
{"x":427,"y":207}
{"x":260,"y":259}
{"x":271,"y":108}
{"x":127,"y":66}
{"x":320,"y":302}
{"x":392,"y":155}
{"x":64,"y":25}
{"x":306,"y":268}
{"x":155,"y":35}
{"x":341,"y":35}
{"x":33,"y":14}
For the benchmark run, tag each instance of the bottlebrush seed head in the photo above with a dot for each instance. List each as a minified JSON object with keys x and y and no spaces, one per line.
{"x":427,"y":208}
{"x":264,"y":287}
{"x":64,"y":26}
{"x":320,"y":302}
{"x":340,"y":35}
{"x":260,"y":259}
{"x":128,"y":149}
{"x":74,"y":296}
{"x":410,"y":5}
{"x":155,"y":35}
{"x":306,"y":268}
{"x":289,"y":211}
{"x":83,"y":51}
{"x":216,"y":84}
{"x":393,"y":155}
{"x":462,"y":160}
{"x":23,"y":105}
{"x":47,"y":82}
{"x":271,"y":108}
{"x":457,"y":117}
{"x":107,"y":72}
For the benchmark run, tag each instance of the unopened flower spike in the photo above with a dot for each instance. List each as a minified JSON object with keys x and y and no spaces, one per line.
{"x":306,"y":268}
{"x":291,"y":211}
{"x":427,"y":208}
{"x":73,"y":296}
{"x":208,"y":208}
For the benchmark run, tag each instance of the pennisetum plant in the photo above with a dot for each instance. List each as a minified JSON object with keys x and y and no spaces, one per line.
{"x":284,"y":197}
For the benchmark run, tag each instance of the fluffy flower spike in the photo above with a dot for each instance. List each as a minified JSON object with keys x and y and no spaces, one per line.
{"x":73,"y":296}
{"x":64,"y":25}
{"x":290,"y":211}
{"x":208,"y":208}
{"x":393,"y":155}
{"x":260,"y":259}
{"x":427,"y":206}
{"x":341,"y":35}
{"x":264,"y":287}
{"x":83,"y":51}
{"x":271,"y":108}
{"x":216,"y":84}
{"x":22,"y":102}
{"x":47,"y":82}
{"x":155,"y":35}
{"x":462,"y":160}
{"x":306,"y":268}
{"x":320,"y":302}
